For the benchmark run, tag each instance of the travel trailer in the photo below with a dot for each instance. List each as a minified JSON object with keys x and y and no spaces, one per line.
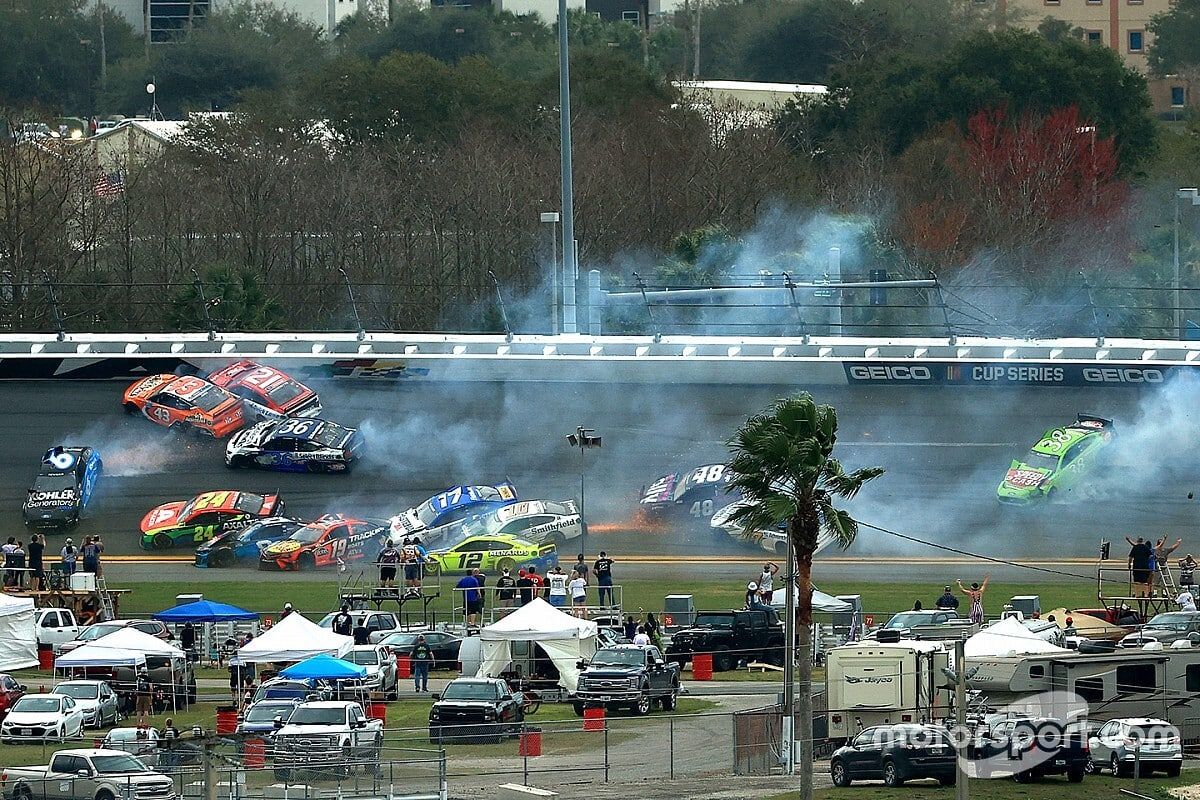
{"x":874,"y":683}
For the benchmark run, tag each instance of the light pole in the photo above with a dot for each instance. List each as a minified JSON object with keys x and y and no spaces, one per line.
{"x":583,"y":439}
{"x":568,"y":189}
{"x":1194,"y":196}
{"x":152,"y":90}
{"x":552,"y":219}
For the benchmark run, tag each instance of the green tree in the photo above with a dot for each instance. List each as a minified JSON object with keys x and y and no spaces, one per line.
{"x":1176,"y":38}
{"x":1057,"y":30}
{"x":699,"y":258}
{"x":783,"y":465}
{"x":234,"y":298}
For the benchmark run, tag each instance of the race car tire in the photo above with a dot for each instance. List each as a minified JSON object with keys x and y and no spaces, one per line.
{"x":221,"y":558}
{"x":306,"y":561}
{"x":506,"y":564}
{"x":130,"y":408}
{"x":315,"y":467}
{"x":162,"y":541}
{"x":239,"y":462}
{"x":432,"y":567}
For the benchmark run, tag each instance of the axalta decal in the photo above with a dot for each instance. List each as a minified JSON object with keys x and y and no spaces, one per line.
{"x":999,"y":374}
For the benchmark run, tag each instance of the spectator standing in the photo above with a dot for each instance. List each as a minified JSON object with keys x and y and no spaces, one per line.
{"x":506,"y":591}
{"x":631,"y":627}
{"x":17,"y":560}
{"x":653,"y":630}
{"x":1187,"y":571}
{"x":68,"y":554}
{"x":187,"y":639}
{"x":604,"y":578}
{"x":422,"y":657}
{"x":91,"y":555}
{"x":235,"y":679}
{"x":360,"y":633}
{"x":539,"y":582}
{"x":1186,"y":601}
{"x":343,"y":623}
{"x":1070,"y":630}
{"x":1161,"y":555}
{"x":578,"y":587}
{"x":1141,"y":556}
{"x":525,"y":586}
{"x":411,"y":558}
{"x":472,"y":607}
{"x":917,"y":606}
{"x":752,"y":594}
{"x":558,"y":586}
{"x":7,"y":549}
{"x":766,"y":581}
{"x":286,"y":612}
{"x":947,"y":602}
{"x":37,"y":567}
{"x":581,"y":567}
{"x":167,"y":739}
{"x":145,"y":696}
{"x":641,"y":638}
{"x":388,"y":558}
{"x":975,"y":595}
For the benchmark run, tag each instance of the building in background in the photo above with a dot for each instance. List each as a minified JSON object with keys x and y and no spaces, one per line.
{"x":165,"y":20}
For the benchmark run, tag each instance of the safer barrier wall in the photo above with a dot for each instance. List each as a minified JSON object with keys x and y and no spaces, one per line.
{"x":815,"y":361}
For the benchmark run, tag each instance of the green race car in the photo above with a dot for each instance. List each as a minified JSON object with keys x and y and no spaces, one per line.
{"x":1057,"y":462}
{"x":493,"y":553}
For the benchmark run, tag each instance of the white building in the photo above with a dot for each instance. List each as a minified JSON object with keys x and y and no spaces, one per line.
{"x":163,"y":19}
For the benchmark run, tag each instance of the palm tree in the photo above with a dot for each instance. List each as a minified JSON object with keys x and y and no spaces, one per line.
{"x":783,"y":465}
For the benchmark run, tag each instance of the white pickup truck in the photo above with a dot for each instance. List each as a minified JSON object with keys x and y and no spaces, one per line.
{"x":55,"y":626}
{"x":328,"y":735}
{"x":86,"y":775}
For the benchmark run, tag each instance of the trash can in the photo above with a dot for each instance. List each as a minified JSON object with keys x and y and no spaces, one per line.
{"x":403,"y":666}
{"x":702,"y":667}
{"x":254,"y":756}
{"x":593,"y":718}
{"x":45,"y":657}
{"x":530,"y":742}
{"x":377,"y":711}
{"x":226,"y":719}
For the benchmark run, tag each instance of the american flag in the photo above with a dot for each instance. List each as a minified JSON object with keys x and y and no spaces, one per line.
{"x":109,"y":185}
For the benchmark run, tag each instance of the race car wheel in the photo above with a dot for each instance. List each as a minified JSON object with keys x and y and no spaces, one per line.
{"x":162,"y":541}
{"x":432,"y":567}
{"x":314,"y":467}
{"x":306,"y":561}
{"x":130,"y":408}
{"x":239,"y":462}
{"x":507,"y":564}
{"x":221,"y":558}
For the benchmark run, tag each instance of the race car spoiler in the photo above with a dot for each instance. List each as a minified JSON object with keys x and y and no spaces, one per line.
{"x":1103,"y":421}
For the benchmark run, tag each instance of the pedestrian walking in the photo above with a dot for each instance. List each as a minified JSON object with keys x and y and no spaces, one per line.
{"x":422,"y":657}
{"x":604,"y":578}
{"x":37,"y":568}
{"x":525,"y":587}
{"x":343,"y":623}
{"x":558,"y":586}
{"x":506,"y":589}
{"x":766,"y":581}
{"x":975,"y":595}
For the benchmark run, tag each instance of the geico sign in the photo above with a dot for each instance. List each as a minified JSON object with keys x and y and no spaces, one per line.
{"x":1122,"y":375}
{"x":879,"y":372}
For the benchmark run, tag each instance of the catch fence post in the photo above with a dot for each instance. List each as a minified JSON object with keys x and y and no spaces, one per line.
{"x":671,"y":722}
{"x":524,"y":755}
{"x":606,"y":752}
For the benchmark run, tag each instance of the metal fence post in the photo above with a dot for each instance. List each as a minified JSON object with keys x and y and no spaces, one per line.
{"x":524,"y":754}
{"x":606,"y":751}
{"x":671,"y":721}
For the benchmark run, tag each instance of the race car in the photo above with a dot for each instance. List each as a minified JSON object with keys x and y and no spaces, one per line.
{"x":692,"y":494}
{"x":330,"y":541}
{"x":492,"y":553}
{"x":63,"y":487}
{"x":205,"y":517}
{"x":269,"y":393}
{"x":454,"y":504}
{"x":296,"y":444}
{"x":537,"y":521}
{"x":1057,"y":462}
{"x":178,"y":402}
{"x":773,"y":540}
{"x":232,"y":547}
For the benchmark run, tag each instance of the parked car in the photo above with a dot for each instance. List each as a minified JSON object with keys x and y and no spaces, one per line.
{"x":38,"y":717}
{"x":328,"y":735}
{"x":380,"y":665}
{"x":10,"y":692}
{"x":140,"y":742}
{"x":628,"y":674}
{"x":1031,"y":748}
{"x":731,"y":636}
{"x":55,"y":626}
{"x":1153,"y":743}
{"x":92,"y":773}
{"x":288,"y":689}
{"x":445,"y":646}
{"x":895,"y":754}
{"x":472,"y":709}
{"x":101,"y":629}
{"x":379,"y":624}
{"x":1166,"y":628}
{"x":262,"y":717}
{"x":96,"y":699}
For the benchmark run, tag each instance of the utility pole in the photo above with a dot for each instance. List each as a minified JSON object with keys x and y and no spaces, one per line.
{"x":696,"y":44}
{"x":103,"y":48}
{"x":788,"y":728}
{"x":961,"y":791}
{"x":570,"y":268}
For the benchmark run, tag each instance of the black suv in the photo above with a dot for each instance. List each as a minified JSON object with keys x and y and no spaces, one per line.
{"x":1030,"y":748}
{"x":475,"y":709}
{"x":731,"y":636}
{"x":627,"y":674}
{"x":895,"y":754}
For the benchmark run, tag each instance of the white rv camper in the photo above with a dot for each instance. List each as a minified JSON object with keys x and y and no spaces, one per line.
{"x":873,"y":683}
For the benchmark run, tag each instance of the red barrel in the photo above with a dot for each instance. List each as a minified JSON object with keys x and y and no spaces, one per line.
{"x":404,"y":666}
{"x":702,"y":667}
{"x":593,"y":719}
{"x":530,"y":742}
{"x":226,"y":719}
{"x":45,"y":658}
{"x":254,"y":756}
{"x":377,"y":711}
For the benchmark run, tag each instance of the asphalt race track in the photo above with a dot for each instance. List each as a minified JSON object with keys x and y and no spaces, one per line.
{"x":945,"y":450}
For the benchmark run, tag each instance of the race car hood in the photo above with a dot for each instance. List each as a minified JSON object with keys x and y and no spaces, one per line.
{"x":661,"y":491}
{"x":284,"y":548}
{"x":1024,"y":477}
{"x":249,"y":437}
{"x":163,"y":516}
{"x":61,"y":498}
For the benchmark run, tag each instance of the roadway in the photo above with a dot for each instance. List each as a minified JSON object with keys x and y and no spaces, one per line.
{"x":944,"y":449}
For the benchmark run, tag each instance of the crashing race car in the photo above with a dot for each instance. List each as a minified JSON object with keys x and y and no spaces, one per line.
{"x":494,"y":553}
{"x":331,"y":541}
{"x":537,"y":521}
{"x":1057,"y":462}
{"x":247,"y":544}
{"x":205,"y":517}
{"x":63,"y":487}
{"x":692,"y":495}
{"x":455,"y":504}
{"x":297,"y":444}
{"x":179,"y":402}
{"x":269,"y":393}
{"x":773,"y":541}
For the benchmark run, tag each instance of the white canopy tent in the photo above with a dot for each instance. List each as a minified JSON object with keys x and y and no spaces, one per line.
{"x":18,"y":639}
{"x":95,"y":654}
{"x":820,"y":601}
{"x":564,"y":639}
{"x":1008,"y":637}
{"x":127,"y":647}
{"x":294,"y":638}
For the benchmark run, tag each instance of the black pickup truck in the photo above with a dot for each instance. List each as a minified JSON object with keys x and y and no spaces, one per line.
{"x":1030,"y":748}
{"x":731,"y":637}
{"x":475,"y":709}
{"x":628,"y":674}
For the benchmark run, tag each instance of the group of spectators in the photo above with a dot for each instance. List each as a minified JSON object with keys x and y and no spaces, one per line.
{"x":26,"y":567}
{"x":558,"y":587}
{"x":1148,"y":563}
{"x":411,"y":556}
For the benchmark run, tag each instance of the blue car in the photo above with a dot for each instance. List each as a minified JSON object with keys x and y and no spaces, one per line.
{"x":296,"y":444}
{"x":64,"y":486}
{"x":245,"y":544}
{"x":454,"y":504}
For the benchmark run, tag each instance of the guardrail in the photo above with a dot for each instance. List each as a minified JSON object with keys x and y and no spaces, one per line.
{"x":815,"y":360}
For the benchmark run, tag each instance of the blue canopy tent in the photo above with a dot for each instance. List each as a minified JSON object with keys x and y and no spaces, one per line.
{"x":204,"y":611}
{"x":325,"y":667}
